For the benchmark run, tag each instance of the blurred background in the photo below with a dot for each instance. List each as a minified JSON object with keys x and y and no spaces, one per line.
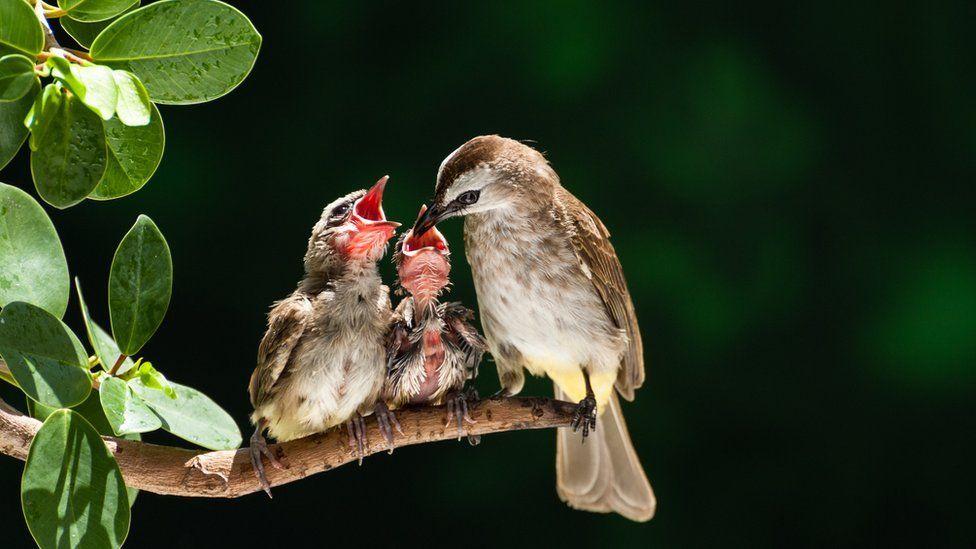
{"x":790,"y":190}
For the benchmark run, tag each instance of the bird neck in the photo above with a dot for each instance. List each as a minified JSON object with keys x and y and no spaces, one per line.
{"x":353,"y":276}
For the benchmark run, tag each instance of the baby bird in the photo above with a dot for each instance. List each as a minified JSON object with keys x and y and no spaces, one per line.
{"x":322,"y":361}
{"x":432,"y":348}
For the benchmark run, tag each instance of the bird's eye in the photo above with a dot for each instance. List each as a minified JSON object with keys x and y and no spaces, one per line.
{"x":340,"y":210}
{"x":468,"y":198}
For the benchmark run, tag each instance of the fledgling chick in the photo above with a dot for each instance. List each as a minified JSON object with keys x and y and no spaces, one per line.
{"x":432,"y":348}
{"x":322,"y":361}
{"x":553,"y":301}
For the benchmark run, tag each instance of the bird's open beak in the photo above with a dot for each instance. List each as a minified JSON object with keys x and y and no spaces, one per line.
{"x":368,"y":212}
{"x":431,"y":239}
{"x":428,"y":219}
{"x":371,"y":230}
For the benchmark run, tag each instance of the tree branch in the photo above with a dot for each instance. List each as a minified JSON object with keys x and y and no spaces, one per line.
{"x":228,"y":473}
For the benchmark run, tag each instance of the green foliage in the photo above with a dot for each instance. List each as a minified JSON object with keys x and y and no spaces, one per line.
{"x":105,"y":348}
{"x":85,"y":33}
{"x":91,"y":410}
{"x":180,"y":66}
{"x":171,"y":51}
{"x":14,"y":132}
{"x":33,"y":267}
{"x":133,"y":100}
{"x":70,"y":155}
{"x":192,"y":416}
{"x":91,"y":11}
{"x":96,"y":133}
{"x":126,"y":412}
{"x":44,"y":356}
{"x":72,"y":492}
{"x":16,"y":77}
{"x":140,"y":285}
{"x":134,"y":153}
{"x":19,"y":30}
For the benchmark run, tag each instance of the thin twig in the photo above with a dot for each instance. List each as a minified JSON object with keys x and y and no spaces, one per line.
{"x":118,"y":364}
{"x":228,"y":473}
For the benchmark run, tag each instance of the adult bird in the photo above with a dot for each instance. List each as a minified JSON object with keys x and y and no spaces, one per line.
{"x":553,"y":301}
{"x":322,"y":361}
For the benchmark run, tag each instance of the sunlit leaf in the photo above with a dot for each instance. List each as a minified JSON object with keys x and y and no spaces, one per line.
{"x":192,"y":416}
{"x":184,"y":51}
{"x":95,"y":10}
{"x":44,"y":356}
{"x":91,"y":410}
{"x":20,"y":31}
{"x":72,"y":491}
{"x":134,"y":153}
{"x":32,"y":263}
{"x":105,"y":348}
{"x":85,"y":33}
{"x":133,"y":106}
{"x":70,"y":153}
{"x":16,"y":77}
{"x":126,"y":412}
{"x":140,"y":285}
{"x":93,"y":84}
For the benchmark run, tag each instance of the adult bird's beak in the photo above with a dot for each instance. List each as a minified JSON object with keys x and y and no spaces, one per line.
{"x":428,"y":219}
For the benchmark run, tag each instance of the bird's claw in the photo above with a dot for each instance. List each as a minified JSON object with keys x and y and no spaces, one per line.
{"x":356,"y":426}
{"x":259,"y":447}
{"x":585,"y":416}
{"x":387,"y":420}
{"x":458,"y":411}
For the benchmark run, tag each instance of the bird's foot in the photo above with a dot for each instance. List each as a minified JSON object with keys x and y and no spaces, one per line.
{"x":356,"y":426}
{"x":458,"y":404}
{"x":259,"y":447}
{"x":585,"y":416}
{"x":387,"y":420}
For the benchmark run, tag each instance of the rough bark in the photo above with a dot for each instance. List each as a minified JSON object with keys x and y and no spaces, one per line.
{"x":228,"y":473}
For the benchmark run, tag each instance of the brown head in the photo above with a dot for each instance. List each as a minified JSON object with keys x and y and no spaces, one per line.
{"x":423,"y":263}
{"x":488,"y":173}
{"x":352,"y":228}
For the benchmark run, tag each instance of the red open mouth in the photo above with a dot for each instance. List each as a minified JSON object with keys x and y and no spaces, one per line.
{"x":430,"y":239}
{"x":369,"y":208}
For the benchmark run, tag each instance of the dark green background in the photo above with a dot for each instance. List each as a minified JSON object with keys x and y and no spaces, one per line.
{"x":790,"y":189}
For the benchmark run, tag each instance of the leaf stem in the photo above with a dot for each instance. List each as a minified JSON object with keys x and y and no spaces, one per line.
{"x":49,"y":40}
{"x":118,"y":364}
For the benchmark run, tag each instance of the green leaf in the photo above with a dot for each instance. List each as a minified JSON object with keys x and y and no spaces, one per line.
{"x":134,"y":153}
{"x":126,"y":412}
{"x":44,"y":356}
{"x":184,"y":51}
{"x":61,"y":70}
{"x":32,"y":264}
{"x":91,"y":410}
{"x":44,"y":111}
{"x":151,"y":378}
{"x":192,"y":416}
{"x":16,"y":77}
{"x":93,"y":84}
{"x":72,"y":492}
{"x":20,"y":31}
{"x":70,"y":154}
{"x":92,"y":11}
{"x":85,"y":33}
{"x":139,"y":285}
{"x":13,"y":132}
{"x":101,"y":92}
{"x":133,"y":105}
{"x":105,"y":348}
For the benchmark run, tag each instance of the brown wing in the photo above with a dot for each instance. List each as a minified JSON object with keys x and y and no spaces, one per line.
{"x":464,"y":336}
{"x":286,"y":324}
{"x":591,"y":240}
